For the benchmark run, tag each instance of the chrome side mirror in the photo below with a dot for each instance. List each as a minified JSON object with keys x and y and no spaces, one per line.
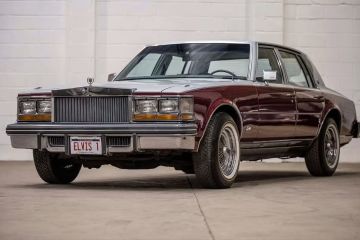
{"x":111,"y":77}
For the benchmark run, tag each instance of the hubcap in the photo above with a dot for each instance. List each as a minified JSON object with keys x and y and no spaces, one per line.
{"x":228,"y":151}
{"x":331,"y":146}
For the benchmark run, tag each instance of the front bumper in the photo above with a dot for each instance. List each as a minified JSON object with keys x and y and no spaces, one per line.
{"x":143,"y":136}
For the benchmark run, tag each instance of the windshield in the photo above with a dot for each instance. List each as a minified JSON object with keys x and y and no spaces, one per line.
{"x":205,"y":60}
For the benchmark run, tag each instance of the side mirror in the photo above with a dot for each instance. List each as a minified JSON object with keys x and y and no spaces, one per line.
{"x":269,"y":75}
{"x":111,"y":77}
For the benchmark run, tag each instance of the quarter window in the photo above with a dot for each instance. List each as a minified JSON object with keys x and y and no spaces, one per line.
{"x":267,"y":61}
{"x":294,"y":70}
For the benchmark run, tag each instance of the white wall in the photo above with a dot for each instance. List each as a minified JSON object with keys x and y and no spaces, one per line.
{"x":46,"y":41}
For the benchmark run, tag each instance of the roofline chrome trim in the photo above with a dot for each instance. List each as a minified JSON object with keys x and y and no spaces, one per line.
{"x":225,"y":41}
{"x":200,"y":41}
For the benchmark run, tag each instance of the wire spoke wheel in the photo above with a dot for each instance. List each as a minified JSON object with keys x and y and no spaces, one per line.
{"x":323,"y":156}
{"x":228,"y":151}
{"x":331,"y":146}
{"x":217,"y":162}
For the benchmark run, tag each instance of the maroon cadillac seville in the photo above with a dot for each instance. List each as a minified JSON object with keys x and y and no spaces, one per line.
{"x":200,"y":107}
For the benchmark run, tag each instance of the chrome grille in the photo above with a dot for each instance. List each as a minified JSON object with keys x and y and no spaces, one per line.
{"x":91,"y":109}
{"x":56,"y":141}
{"x":118,"y":141}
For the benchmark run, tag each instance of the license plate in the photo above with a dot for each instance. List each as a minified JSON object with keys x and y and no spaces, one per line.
{"x":86,"y":145}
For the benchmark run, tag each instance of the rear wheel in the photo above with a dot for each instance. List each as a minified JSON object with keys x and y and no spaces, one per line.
{"x":323,"y":157}
{"x":55,"y":170}
{"x":217,"y":161}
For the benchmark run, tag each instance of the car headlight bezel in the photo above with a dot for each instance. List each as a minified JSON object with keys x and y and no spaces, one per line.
{"x":44,"y":106}
{"x":42,"y":109}
{"x":171,"y":103}
{"x":27,"y":107}
{"x":150,"y":102}
{"x":168,"y":109}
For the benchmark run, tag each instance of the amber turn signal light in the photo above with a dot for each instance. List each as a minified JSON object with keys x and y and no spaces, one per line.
{"x":35,"y":118}
{"x":154,"y":117}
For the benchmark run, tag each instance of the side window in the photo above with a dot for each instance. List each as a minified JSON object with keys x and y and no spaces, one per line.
{"x":294,"y":70}
{"x":239,"y":67}
{"x":267,"y":61}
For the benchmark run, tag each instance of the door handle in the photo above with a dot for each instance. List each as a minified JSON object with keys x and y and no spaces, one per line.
{"x":290,"y":95}
{"x":319,"y":97}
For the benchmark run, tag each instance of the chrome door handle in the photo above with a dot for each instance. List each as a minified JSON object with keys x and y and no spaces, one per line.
{"x":319,"y":97}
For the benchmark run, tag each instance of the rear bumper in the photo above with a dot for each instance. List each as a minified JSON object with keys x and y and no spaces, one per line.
{"x":143,"y":136}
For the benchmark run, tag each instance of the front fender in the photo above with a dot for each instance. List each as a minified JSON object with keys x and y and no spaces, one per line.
{"x":203,"y":118}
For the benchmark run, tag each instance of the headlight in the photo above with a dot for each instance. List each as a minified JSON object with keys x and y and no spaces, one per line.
{"x":168,"y":105}
{"x":28,"y":107}
{"x":44,"y":107}
{"x":164,"y":109}
{"x":34,"y":109}
{"x":146,"y":106}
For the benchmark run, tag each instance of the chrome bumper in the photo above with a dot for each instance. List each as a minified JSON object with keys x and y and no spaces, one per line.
{"x":143,"y":136}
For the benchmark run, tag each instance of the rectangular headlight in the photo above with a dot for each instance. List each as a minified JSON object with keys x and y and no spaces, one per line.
{"x":169,"y":105}
{"x":146,"y":106}
{"x":28,"y":107}
{"x":34,"y":109}
{"x":44,"y":106}
{"x":164,"y":109}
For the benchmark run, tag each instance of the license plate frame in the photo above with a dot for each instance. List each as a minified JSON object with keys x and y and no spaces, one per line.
{"x":86,"y":145}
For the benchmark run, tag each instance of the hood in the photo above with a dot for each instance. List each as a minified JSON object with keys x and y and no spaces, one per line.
{"x":163,"y":86}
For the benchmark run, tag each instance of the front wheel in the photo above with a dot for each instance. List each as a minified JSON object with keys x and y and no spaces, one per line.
{"x":323,"y":157}
{"x":55,"y":170}
{"x":217,"y":161}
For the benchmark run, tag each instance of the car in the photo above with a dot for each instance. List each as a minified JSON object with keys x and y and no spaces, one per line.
{"x":200,"y":107}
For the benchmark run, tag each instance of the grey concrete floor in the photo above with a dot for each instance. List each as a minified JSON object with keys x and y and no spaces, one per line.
{"x":269,"y":201}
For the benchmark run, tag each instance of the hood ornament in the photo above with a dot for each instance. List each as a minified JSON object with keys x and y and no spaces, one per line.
{"x":90,"y":81}
{"x":86,"y":90}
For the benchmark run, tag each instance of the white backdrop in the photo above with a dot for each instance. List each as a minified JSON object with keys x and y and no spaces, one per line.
{"x":46,"y":41}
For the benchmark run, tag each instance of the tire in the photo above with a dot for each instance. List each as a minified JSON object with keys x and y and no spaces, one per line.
{"x":54,"y":170}
{"x":216,"y":150}
{"x":323,"y":156}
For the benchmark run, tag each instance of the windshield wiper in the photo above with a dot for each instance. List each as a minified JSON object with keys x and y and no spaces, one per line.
{"x":229,"y":77}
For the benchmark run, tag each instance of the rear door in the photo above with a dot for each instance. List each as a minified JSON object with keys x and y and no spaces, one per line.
{"x":277,"y":107}
{"x":309,"y":100}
